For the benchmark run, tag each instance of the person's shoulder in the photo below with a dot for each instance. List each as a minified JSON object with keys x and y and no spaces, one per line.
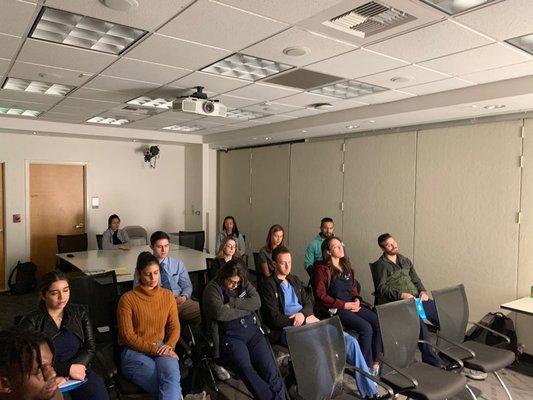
{"x":404,"y":259}
{"x":166,"y":294}
{"x":77,"y":308}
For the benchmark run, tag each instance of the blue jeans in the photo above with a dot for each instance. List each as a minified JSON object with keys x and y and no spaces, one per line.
{"x":93,"y":389}
{"x":367,"y":388}
{"x":428,"y":354}
{"x":157,"y":375}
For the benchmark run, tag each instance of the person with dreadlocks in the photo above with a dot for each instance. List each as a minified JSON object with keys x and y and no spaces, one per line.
{"x":26,"y":371}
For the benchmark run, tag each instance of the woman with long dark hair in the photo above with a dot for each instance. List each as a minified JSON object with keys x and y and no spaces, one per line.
{"x":230,"y":303}
{"x":114,"y":237}
{"x":230,"y":230}
{"x":69,"y":328}
{"x":275,"y":238}
{"x":337,"y":291}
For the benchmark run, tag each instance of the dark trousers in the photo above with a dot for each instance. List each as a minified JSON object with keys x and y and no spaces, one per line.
{"x":245,"y":350}
{"x":428,"y":354}
{"x":366,"y":324}
{"x":93,"y":389}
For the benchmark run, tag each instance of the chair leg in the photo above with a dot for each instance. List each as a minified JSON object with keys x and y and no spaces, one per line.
{"x":503,"y":386}
{"x":471,"y":392}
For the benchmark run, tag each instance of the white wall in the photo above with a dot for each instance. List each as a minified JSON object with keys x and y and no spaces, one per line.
{"x":193,"y":187}
{"x":116,"y":172}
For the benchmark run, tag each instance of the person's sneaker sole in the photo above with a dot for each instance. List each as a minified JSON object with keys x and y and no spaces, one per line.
{"x":476,"y":376}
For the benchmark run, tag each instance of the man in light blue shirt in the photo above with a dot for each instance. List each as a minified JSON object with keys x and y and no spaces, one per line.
{"x":314,"y":250}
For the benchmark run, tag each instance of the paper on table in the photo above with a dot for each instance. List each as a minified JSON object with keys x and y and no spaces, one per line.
{"x":71,"y":384}
{"x":121,"y":271}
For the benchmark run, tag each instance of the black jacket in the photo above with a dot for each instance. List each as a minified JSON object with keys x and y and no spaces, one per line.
{"x":273,"y":300}
{"x":75,"y":320}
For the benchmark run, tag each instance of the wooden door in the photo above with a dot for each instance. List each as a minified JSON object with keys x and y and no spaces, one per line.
{"x":57,"y":207}
{"x":2,"y":230}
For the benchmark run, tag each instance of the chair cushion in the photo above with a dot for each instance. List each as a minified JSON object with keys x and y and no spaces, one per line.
{"x":433,"y":383}
{"x":488,"y":359}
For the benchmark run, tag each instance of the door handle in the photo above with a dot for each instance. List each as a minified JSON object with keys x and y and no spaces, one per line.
{"x":80,"y":225}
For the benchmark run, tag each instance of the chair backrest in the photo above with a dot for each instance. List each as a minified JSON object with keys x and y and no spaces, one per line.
{"x":211,"y":271}
{"x":400,"y":328}
{"x":373,"y":270}
{"x":192,"y":239}
{"x":318,"y":357}
{"x":71,"y":243}
{"x":452,"y":309}
{"x":137,"y":234}
{"x":100,"y":294}
{"x":99,"y":241}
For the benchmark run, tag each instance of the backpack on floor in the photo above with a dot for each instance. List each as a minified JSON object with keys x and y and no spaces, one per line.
{"x":22,"y":278}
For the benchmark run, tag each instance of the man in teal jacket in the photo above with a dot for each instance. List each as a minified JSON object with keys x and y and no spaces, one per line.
{"x":314,"y":250}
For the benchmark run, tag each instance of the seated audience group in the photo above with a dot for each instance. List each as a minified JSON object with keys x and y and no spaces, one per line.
{"x":57,"y":343}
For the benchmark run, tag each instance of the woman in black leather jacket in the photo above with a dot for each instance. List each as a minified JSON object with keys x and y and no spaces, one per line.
{"x":69,"y":328}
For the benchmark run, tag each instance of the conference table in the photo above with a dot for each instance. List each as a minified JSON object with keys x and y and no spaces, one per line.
{"x":522,"y":306}
{"x":123,"y":261}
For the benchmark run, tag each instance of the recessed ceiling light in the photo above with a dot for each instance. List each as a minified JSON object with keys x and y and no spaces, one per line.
{"x":304,"y":131}
{"x":120,"y":5}
{"x":352,"y":126}
{"x":25,"y":85}
{"x":494,"y":106}
{"x":320,"y":106}
{"x":453,"y":7}
{"x":35,"y":133}
{"x":296,"y":51}
{"x":134,"y":140}
{"x":371,"y":121}
{"x":182,"y":128}
{"x":268,"y":138}
{"x":401,"y":79}
{"x":348,"y":89}
{"x":523,"y":43}
{"x":244,"y":114}
{"x":19,"y":111}
{"x":246,"y":67}
{"x":148,"y":102}
{"x":76,"y":30}
{"x":108,"y":121}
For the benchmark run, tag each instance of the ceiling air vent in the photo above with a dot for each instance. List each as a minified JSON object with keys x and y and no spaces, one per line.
{"x":368,"y":19}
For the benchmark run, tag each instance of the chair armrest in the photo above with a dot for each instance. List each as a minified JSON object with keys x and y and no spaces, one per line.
{"x":377,"y":381}
{"x":460,"y":362}
{"x":414,"y":382}
{"x":492,"y":331}
{"x":472,"y":354}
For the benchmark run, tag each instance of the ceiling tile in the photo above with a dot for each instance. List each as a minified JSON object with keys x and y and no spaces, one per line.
{"x":3,"y":65}
{"x":28,"y":105}
{"x":44,"y":73}
{"x":177,"y":53}
{"x":126,"y":86}
{"x":102,"y":95}
{"x":235,"y":102}
{"x":15,"y":16}
{"x":170,"y":93}
{"x":277,"y":118}
{"x":80,"y":112}
{"x":304,"y":112}
{"x":438,"y":86}
{"x":482,"y":58}
{"x":319,"y":47}
{"x":408,"y":76}
{"x":497,"y":74}
{"x":430,"y":42}
{"x":501,"y":20}
{"x":145,"y":16}
{"x":270,"y":107}
{"x":85,"y":105}
{"x":212,"y":83}
{"x":261,"y":91}
{"x":62,"y":117}
{"x":385,"y":97}
{"x":16,"y":95}
{"x":356,"y":63}
{"x":144,"y":71}
{"x":204,"y":21}
{"x":57,"y":55}
{"x":8,"y":45}
{"x":304,"y":99}
{"x":283,"y":10}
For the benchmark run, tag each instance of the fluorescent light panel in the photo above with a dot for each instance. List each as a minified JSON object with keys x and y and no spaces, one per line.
{"x":244,"y":115}
{"x":182,"y":128}
{"x":348,"y":89}
{"x":453,"y":7}
{"x":19,"y":111}
{"x":107,"y":121}
{"x":246,"y":67}
{"x":79,"y":31}
{"x":148,"y":102}
{"x":24,"y":85}
{"x":523,"y":42}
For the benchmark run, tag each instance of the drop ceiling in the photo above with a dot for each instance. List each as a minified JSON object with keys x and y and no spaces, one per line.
{"x":434,"y":67}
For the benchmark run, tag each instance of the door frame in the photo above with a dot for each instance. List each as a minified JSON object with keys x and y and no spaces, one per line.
{"x":27,"y":194}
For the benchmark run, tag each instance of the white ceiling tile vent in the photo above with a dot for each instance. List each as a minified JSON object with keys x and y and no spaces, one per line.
{"x":368,"y":19}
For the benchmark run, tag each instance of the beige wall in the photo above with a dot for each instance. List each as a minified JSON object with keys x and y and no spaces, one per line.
{"x":116,"y":172}
{"x":450,"y":196}
{"x":193,"y":187}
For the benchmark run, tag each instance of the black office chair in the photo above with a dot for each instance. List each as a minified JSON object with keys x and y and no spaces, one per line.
{"x":318,"y":358}
{"x":256,"y":272}
{"x":452,"y":308}
{"x":70,"y":244}
{"x":400,"y":328}
{"x":192,"y":239}
{"x":99,"y":241}
{"x":377,"y":298}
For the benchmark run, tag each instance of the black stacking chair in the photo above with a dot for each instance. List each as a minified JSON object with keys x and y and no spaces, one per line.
{"x":452,"y":308}
{"x":192,"y":239}
{"x":99,"y":241}
{"x":319,"y":361}
{"x":70,"y":244}
{"x":137,"y":235}
{"x":400,"y":328}
{"x":377,"y":298}
{"x":256,"y":272}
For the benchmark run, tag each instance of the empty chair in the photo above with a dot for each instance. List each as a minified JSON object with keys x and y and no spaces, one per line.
{"x":99,"y":241}
{"x":71,"y":243}
{"x":400,"y":328}
{"x":192,"y":239}
{"x":137,"y":234}
{"x":452,"y":308}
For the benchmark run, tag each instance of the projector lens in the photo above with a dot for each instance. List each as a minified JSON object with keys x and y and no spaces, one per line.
{"x":208,"y":107}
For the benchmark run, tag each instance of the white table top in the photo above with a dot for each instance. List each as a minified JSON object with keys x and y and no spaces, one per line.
{"x":97,"y":261}
{"x":523,"y":305}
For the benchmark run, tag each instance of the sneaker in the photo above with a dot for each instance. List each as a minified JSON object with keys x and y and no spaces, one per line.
{"x":221,"y":372}
{"x":196,"y":396}
{"x":475,"y":375}
{"x":374,"y":371}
